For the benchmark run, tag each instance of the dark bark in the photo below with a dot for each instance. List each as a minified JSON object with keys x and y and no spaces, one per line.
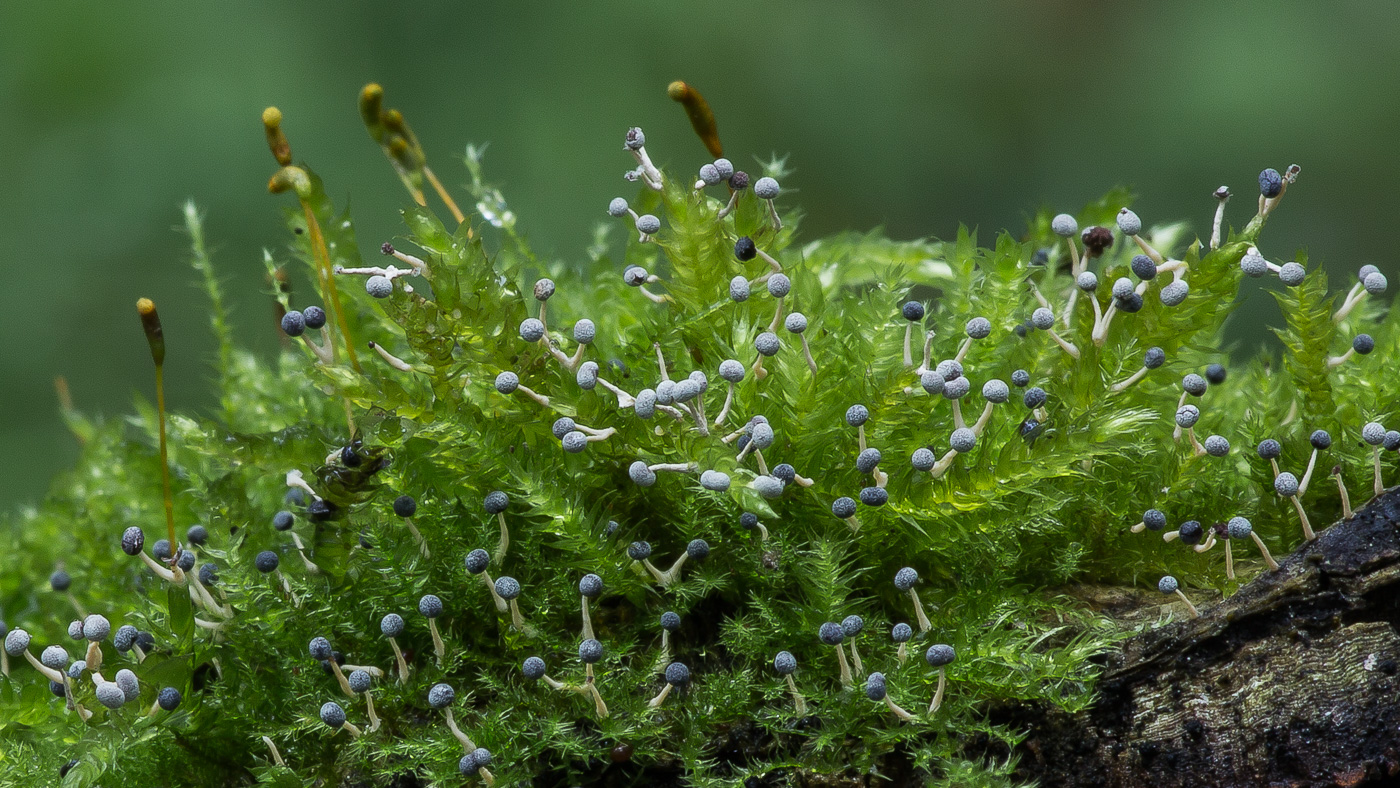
{"x":1290,"y":682}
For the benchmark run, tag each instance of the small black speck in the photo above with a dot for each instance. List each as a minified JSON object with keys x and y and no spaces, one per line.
{"x":298,"y":230}
{"x":1195,"y":729}
{"x":1387,"y":667}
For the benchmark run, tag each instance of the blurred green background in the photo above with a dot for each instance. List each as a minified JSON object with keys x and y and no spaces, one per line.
{"x":914,"y":116}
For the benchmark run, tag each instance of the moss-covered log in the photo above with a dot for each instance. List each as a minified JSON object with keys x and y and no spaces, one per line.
{"x":1292,"y":681}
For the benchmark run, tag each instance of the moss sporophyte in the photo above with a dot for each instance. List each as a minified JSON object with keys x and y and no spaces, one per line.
{"x":440,"y":561}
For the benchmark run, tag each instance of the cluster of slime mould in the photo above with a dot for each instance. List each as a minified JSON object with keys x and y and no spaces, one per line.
{"x":484,"y":518}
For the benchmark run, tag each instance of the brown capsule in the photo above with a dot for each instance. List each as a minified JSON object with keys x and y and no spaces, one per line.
{"x":371,"y":108}
{"x":150,"y":322}
{"x":276,"y":139}
{"x":701,"y":118}
{"x":622,"y":753}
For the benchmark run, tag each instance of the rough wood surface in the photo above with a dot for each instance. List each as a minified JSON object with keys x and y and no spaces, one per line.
{"x":1290,"y":682}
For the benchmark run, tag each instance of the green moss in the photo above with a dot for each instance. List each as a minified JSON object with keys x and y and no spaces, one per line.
{"x":1036,"y":506}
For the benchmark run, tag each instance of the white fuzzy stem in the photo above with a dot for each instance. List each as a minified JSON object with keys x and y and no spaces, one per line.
{"x":773,"y":214}
{"x":295,"y":479}
{"x":1194,"y":612}
{"x":660,"y":360}
{"x":660,"y":697}
{"x":322,"y":351}
{"x":807,"y":351}
{"x":574,"y":360}
{"x":208,"y":600}
{"x":1149,"y":251}
{"x":1307,"y":475}
{"x":1039,"y":297}
{"x":527,"y":391}
{"x":393,"y":361}
{"x":962,"y":350}
{"x":1215,"y":226}
{"x":724,"y":411}
{"x":369,"y":709}
{"x":501,"y":606}
{"x":773,"y":264}
{"x":1068,"y":347}
{"x":924,"y":624}
{"x":439,"y":648}
{"x":1264,"y":550}
{"x":1100,"y":330}
{"x":402,"y":663}
{"x":301,"y":551}
{"x":729,"y":206}
{"x":654,"y":297}
{"x":677,"y":467}
{"x":467,"y":743}
{"x":656,"y":574}
{"x":777,"y":316}
{"x":1308,"y":534}
{"x":757,"y":368}
{"x":1358,"y":292}
{"x":276,"y":756}
{"x":161,"y":572}
{"x":797,"y":699}
{"x":940,"y":467}
{"x":340,"y":677}
{"x":624,"y":400}
{"x":846,"y":680}
{"x":418,"y":265}
{"x":504,"y":544}
{"x":599,"y":706}
{"x":50,"y":673}
{"x":392,"y":272}
{"x":1129,"y":381}
{"x":1346,"y":499}
{"x":652,"y":176}
{"x":928,"y":354}
{"x":938,"y":694}
{"x":898,"y":712}
{"x":982,"y":420}
{"x":413,"y":529}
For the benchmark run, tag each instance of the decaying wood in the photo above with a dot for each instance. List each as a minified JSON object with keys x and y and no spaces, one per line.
{"x":1290,"y":682}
